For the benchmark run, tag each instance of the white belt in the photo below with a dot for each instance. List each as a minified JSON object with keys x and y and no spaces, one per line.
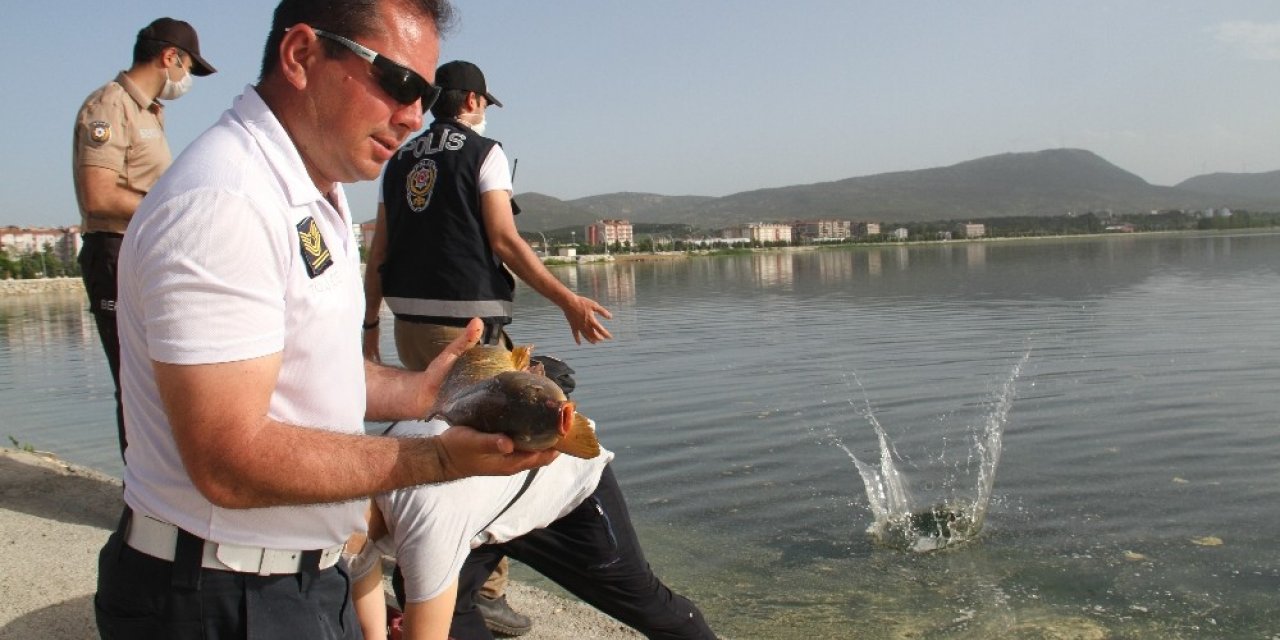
{"x":159,"y":539}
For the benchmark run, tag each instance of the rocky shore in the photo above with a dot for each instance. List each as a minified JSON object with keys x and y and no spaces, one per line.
{"x":40,"y":285}
{"x":54,"y":517}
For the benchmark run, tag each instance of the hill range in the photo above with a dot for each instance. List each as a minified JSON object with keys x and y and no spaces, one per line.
{"x":1043,"y":183}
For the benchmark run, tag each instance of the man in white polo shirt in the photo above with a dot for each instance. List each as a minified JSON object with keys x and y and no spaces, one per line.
{"x":244,"y":386}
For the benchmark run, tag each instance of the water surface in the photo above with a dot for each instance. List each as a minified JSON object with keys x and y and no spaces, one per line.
{"x":1136,"y":492}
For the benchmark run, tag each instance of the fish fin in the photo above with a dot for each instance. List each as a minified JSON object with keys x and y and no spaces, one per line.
{"x":520,"y":357}
{"x":581,"y":440}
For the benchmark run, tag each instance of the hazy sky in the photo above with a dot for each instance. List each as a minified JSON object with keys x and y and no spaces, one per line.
{"x":719,"y":96}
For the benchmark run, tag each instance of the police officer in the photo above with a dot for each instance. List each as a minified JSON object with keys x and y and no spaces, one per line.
{"x":445,"y":238}
{"x":118,"y":152}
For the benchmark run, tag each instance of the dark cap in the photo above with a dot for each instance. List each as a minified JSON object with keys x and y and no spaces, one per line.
{"x":464,"y":76}
{"x":180,"y":35}
{"x":559,"y":372}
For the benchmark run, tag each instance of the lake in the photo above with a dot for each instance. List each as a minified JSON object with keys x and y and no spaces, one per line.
{"x":1135,"y":495}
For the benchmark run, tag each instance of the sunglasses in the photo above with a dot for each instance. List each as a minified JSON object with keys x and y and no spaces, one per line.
{"x":403,"y":84}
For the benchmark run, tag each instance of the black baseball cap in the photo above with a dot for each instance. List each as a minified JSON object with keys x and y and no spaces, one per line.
{"x":180,"y":35}
{"x":464,"y":76}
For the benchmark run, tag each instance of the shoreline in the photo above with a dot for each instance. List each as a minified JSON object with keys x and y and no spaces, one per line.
{"x":55,"y":517}
{"x":74,"y":283}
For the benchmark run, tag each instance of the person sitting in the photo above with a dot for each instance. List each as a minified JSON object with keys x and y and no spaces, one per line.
{"x":568,"y":521}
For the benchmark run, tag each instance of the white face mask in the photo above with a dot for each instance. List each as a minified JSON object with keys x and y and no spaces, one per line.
{"x":174,"y":90}
{"x":479,"y":126}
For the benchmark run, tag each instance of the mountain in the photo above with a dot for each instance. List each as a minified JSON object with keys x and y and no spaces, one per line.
{"x":1042,"y":183}
{"x":639,"y":206}
{"x":539,"y":212}
{"x":1257,"y":186}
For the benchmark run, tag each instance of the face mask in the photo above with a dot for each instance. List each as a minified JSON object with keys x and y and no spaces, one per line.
{"x":174,"y":90}
{"x":478,"y":128}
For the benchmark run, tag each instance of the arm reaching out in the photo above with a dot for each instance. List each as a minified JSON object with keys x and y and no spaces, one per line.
{"x":581,"y":312}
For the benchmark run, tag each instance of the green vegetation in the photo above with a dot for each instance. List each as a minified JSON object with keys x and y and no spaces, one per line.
{"x":1101,"y":222}
{"x":22,"y":446}
{"x":36,"y":264}
{"x":653,"y":238}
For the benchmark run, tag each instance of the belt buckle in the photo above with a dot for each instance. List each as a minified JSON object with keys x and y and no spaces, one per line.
{"x":330,"y":556}
{"x":242,"y":559}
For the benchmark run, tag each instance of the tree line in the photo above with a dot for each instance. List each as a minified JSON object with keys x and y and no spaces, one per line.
{"x":36,"y":264}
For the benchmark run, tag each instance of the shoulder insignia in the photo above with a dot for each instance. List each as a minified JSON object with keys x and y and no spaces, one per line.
{"x":420,"y":183}
{"x":99,"y":132}
{"x":314,"y":252}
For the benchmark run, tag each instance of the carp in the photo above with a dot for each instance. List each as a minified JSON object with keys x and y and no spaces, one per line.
{"x":490,"y":390}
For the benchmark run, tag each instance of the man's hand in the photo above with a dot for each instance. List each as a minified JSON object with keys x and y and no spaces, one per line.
{"x":433,"y":378}
{"x":581,"y":313}
{"x":466,"y":452}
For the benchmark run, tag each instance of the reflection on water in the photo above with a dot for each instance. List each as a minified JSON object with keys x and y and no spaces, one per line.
{"x":55,"y":388}
{"x":617,"y":282}
{"x":1145,"y":421}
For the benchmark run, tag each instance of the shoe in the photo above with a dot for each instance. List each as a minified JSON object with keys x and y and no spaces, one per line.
{"x":500,"y":618}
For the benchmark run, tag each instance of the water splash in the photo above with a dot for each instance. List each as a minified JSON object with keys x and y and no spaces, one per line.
{"x":898,"y":522}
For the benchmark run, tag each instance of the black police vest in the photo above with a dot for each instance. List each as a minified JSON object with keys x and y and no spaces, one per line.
{"x":439,"y":266}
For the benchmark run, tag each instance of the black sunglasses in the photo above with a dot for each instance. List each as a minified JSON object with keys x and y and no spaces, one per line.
{"x":403,"y":84}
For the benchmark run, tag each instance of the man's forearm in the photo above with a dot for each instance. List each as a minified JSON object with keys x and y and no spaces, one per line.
{"x":104,"y":199}
{"x":372,"y":270}
{"x":526,"y":265}
{"x":287,"y":465}
{"x":372,"y":291}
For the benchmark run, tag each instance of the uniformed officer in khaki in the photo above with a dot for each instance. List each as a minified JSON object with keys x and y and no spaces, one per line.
{"x":118,"y":152}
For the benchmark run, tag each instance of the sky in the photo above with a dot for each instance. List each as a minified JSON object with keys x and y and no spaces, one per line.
{"x":715,"y":97}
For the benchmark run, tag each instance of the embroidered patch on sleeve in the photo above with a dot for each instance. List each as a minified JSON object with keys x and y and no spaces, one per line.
{"x":99,"y":132}
{"x":314,"y":251}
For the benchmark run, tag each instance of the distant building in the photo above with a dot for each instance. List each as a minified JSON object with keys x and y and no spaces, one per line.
{"x":608,"y":232}
{"x":866,"y":229}
{"x":973,"y":230}
{"x":725,"y":240}
{"x":760,"y":232}
{"x":1126,"y":227}
{"x":821,"y":230}
{"x":900,"y":233}
{"x":64,"y":241}
{"x":944,"y":235}
{"x":364,"y":233}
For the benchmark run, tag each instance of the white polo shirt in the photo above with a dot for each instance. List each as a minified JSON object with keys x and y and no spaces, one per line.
{"x":234,"y":255}
{"x":434,"y":526}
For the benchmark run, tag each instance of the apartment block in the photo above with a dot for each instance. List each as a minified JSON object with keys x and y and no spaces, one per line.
{"x":609,"y":232}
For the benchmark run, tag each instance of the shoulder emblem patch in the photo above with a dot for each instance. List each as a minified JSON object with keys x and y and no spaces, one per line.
{"x":99,"y":132}
{"x":420,"y":183}
{"x":314,"y":252}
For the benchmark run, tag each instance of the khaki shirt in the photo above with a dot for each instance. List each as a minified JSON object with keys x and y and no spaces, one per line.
{"x":121,"y":129}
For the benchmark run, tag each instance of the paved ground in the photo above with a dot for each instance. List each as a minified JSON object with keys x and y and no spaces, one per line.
{"x":54,"y":517}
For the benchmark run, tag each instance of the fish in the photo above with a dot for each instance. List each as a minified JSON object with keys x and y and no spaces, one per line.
{"x":489,"y":390}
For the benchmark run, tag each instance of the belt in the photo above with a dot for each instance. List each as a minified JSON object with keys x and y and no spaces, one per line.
{"x":159,"y":539}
